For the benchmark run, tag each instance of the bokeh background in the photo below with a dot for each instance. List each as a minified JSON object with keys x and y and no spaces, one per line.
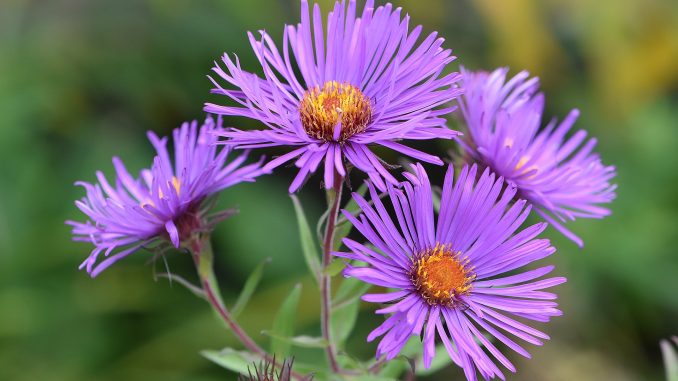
{"x":82,"y":80}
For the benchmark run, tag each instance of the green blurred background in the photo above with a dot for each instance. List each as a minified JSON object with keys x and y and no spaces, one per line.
{"x":82,"y":80}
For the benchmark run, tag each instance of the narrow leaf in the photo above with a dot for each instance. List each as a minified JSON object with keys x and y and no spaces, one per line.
{"x":283,"y":324}
{"x":248,"y":289}
{"x":395,"y":368}
{"x":350,"y":290}
{"x":299,"y":341}
{"x":346,"y":361}
{"x":308,"y":245}
{"x":343,"y":321}
{"x":345,"y":312}
{"x":313,"y":371}
{"x":229,"y":358}
{"x":197,"y":291}
{"x":334,"y":267}
{"x":371,"y":377}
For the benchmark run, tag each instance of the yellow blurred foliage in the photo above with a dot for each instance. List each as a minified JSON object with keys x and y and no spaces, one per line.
{"x":521,"y":38}
{"x":629,"y":48}
{"x":632,"y":49}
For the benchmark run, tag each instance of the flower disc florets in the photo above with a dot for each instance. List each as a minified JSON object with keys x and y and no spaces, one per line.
{"x":335,"y":112}
{"x":441,"y":275}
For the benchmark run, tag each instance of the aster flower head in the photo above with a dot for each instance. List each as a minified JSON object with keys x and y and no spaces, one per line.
{"x":454,"y":279}
{"x":363,"y":80}
{"x":562,"y":177}
{"x":166,"y":203}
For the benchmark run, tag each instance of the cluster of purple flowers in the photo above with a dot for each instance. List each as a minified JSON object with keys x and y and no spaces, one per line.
{"x":361,"y":79}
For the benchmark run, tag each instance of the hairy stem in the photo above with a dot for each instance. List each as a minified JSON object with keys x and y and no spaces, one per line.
{"x":201,"y":250}
{"x":333,"y":201}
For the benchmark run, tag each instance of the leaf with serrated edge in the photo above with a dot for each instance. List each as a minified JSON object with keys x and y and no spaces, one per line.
{"x":283,"y":324}
{"x":248,"y":289}
{"x":308,"y":245}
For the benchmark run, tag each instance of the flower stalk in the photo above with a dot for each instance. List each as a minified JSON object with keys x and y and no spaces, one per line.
{"x":333,"y":202}
{"x":203,"y":257}
{"x":200,"y":248}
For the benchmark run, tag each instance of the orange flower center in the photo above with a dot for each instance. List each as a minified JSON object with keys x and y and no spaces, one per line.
{"x":441,"y":276}
{"x":335,"y":112}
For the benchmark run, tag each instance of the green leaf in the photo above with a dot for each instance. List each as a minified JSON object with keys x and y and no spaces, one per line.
{"x":440,"y":361}
{"x":396,"y":367}
{"x":670,"y":356}
{"x":308,"y":245}
{"x":343,"y":321}
{"x":299,"y":341}
{"x":345,"y":313}
{"x":248,"y":289}
{"x":283,"y":324}
{"x":369,"y":377}
{"x":350,"y":290}
{"x":346,"y":361}
{"x":197,"y":291}
{"x":314,"y":370}
{"x":334,"y":267}
{"x":229,"y":358}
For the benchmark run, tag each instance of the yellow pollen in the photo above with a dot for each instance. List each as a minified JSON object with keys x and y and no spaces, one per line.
{"x":521,"y":163}
{"x":322,"y":109}
{"x":441,"y":276}
{"x":175,"y":183}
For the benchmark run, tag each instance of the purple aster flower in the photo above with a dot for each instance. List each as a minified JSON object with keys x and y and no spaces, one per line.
{"x":362,"y":81}
{"x":562,"y":177}
{"x":166,"y":203}
{"x":456,"y":281}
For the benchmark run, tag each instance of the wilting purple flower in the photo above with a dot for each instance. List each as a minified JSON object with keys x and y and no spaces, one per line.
{"x":562,"y":177}
{"x":164,"y":203}
{"x":458,"y":280}
{"x":364,"y":81}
